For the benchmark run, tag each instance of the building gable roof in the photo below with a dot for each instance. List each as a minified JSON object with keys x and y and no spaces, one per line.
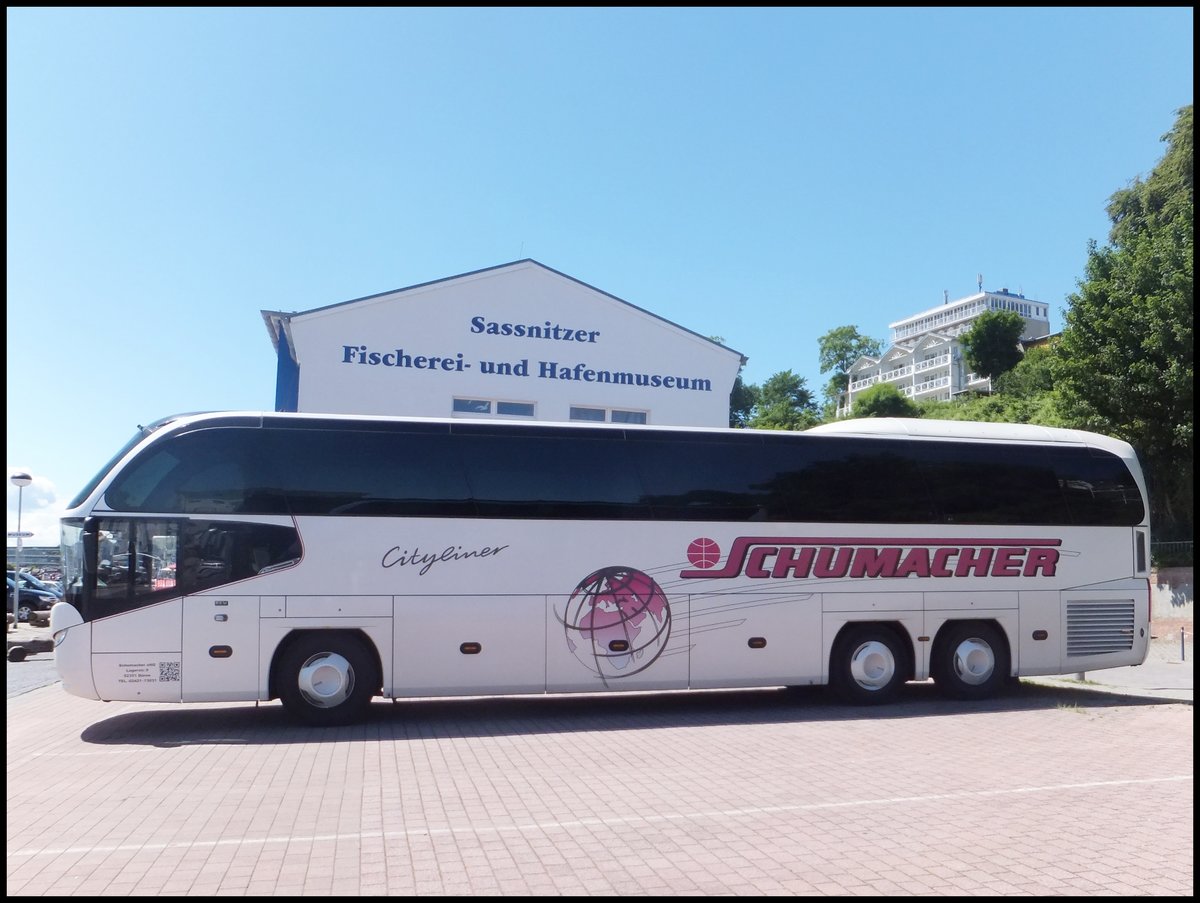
{"x":278,"y":322}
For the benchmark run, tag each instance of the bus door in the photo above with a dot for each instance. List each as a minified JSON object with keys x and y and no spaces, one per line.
{"x":220,"y":647}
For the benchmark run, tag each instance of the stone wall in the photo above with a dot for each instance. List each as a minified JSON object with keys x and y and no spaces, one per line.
{"x":1171,"y":593}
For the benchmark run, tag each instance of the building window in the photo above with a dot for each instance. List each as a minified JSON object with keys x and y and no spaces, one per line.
{"x":611,"y":415}
{"x":587,"y":414}
{"x":472,"y":406}
{"x":514,"y":408}
{"x":628,"y":416}
{"x":481,"y":406}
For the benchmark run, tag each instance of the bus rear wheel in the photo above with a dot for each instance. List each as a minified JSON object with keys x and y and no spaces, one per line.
{"x":869,"y":665}
{"x":970,"y":661}
{"x":327,"y":678}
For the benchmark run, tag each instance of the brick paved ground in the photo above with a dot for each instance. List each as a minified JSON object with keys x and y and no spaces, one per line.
{"x":1050,"y":791}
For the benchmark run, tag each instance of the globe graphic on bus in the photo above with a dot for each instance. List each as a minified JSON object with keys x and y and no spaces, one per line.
{"x":617,"y":621}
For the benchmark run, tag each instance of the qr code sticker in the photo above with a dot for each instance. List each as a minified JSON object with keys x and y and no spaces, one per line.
{"x":168,"y":671}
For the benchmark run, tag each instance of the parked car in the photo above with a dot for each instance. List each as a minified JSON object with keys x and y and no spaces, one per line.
{"x":28,"y":582}
{"x":32,"y":601}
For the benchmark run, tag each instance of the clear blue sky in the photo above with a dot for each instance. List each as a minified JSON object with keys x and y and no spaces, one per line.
{"x":760,"y":175}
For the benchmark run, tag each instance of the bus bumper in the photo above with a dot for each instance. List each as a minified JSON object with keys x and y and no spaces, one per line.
{"x":73,"y":651}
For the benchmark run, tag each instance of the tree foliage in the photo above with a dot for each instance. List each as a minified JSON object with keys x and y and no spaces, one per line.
{"x":991,"y":344}
{"x":838,"y":351}
{"x":1031,"y":375}
{"x":784,"y":402}
{"x":1124,"y":363}
{"x":1001,"y":407}
{"x":884,"y":400}
{"x":742,"y":401}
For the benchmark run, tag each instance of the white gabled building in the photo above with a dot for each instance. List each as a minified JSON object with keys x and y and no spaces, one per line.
{"x":518,"y":341}
{"x":925,"y":359}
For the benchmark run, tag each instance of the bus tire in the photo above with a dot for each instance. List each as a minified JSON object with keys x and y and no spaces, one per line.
{"x":327,"y":678}
{"x":868,"y":665}
{"x":970,"y":660}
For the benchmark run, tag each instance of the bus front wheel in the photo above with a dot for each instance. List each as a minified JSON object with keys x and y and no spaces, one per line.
{"x":327,"y":679}
{"x":970,"y":661}
{"x":869,"y":665}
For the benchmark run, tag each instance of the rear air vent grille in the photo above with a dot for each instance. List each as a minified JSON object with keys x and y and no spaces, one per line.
{"x":1094,"y":628}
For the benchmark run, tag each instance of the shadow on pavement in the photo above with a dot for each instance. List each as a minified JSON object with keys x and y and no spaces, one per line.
{"x":423,"y":719}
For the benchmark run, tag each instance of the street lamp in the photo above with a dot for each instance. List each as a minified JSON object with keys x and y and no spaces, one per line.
{"x":20,"y":480}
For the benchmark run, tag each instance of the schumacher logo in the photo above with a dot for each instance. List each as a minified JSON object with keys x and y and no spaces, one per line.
{"x":783,"y":557}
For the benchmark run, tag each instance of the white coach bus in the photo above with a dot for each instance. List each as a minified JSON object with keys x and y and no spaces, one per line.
{"x":324,"y":560}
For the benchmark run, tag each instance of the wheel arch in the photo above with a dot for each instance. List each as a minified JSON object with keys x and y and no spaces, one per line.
{"x":907,"y":641}
{"x":937,"y":647}
{"x":293,"y":636}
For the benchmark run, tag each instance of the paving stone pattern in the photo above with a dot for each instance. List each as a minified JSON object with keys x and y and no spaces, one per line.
{"x":1051,"y":790}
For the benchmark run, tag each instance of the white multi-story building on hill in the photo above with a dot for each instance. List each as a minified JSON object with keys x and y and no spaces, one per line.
{"x":925,"y":359}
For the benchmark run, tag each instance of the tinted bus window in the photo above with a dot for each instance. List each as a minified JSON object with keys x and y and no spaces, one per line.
{"x":552,"y":476}
{"x":1098,"y":488}
{"x":202,"y":472}
{"x":844,"y":481}
{"x":481,"y":470}
{"x":993,"y":483}
{"x":781,"y":478}
{"x":365,"y":473}
{"x":296,"y":471}
{"x":704,"y":478}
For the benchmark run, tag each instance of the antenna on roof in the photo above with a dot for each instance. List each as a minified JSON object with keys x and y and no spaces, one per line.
{"x":981,"y":281}
{"x":945,"y":296}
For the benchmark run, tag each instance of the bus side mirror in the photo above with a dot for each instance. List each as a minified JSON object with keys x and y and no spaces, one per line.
{"x":91,"y":541}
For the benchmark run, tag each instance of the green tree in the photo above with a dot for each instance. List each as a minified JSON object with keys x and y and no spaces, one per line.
{"x":1124,"y":364}
{"x":838,"y":351}
{"x":784,"y":403}
{"x":1031,"y":376}
{"x":991,"y":344}
{"x":742,"y":401}
{"x":884,"y":400}
{"x":1040,"y":408}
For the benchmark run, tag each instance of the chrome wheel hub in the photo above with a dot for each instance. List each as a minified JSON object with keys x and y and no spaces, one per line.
{"x":872,"y":666}
{"x":974,"y":661}
{"x":326,"y":680}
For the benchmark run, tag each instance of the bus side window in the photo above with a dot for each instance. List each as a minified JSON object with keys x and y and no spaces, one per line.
{"x":203,"y":560}
{"x":264,"y":557}
{"x":260,"y":558}
{"x":261,"y":548}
